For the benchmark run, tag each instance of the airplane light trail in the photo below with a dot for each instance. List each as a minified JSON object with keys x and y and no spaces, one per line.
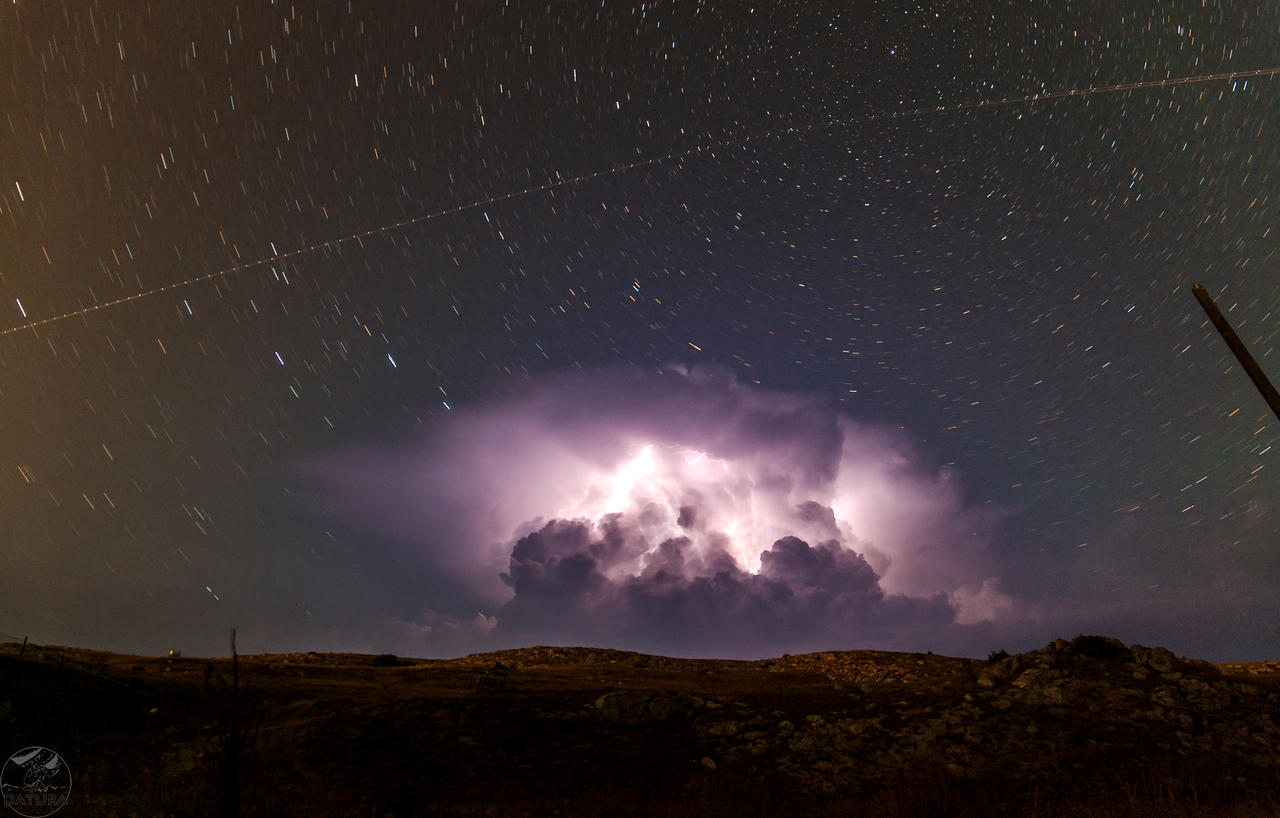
{"x":624,"y":168}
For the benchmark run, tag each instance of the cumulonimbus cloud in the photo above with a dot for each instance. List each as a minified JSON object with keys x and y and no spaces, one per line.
{"x":675,"y":511}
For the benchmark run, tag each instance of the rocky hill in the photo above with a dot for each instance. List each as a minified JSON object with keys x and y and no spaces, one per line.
{"x":1088,"y":726}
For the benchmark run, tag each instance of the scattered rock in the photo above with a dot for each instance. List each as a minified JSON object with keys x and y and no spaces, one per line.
{"x":719,"y":728}
{"x":637,"y":705}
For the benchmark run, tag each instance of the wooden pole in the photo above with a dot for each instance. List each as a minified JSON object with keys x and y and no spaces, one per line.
{"x":1228,"y":334}
{"x":229,"y":797}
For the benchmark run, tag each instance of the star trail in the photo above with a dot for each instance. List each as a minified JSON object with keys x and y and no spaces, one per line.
{"x":1233,"y":76}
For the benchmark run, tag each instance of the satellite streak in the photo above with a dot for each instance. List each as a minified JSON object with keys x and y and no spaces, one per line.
{"x":625,"y":168}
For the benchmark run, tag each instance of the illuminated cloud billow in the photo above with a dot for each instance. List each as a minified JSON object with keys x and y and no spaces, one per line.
{"x":679,"y":598}
{"x":680,"y":512}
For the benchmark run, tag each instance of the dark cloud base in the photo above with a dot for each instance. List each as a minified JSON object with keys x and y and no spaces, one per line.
{"x":803,"y":596}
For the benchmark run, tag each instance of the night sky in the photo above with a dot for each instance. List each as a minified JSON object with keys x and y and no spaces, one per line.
{"x":692,"y":328}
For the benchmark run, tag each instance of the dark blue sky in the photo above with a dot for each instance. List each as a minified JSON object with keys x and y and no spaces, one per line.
{"x":1010,"y":285}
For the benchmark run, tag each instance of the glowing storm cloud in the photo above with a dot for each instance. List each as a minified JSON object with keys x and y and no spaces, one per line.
{"x":678,"y":511}
{"x":671,"y":491}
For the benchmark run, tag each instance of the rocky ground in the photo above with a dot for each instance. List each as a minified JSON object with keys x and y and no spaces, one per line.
{"x":1082,"y":727}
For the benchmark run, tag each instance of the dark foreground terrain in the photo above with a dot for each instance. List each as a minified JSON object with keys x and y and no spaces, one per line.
{"x":1086,"y":727}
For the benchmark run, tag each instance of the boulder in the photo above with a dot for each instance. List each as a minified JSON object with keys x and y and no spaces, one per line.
{"x":1164,"y":696}
{"x":1161,"y":660}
